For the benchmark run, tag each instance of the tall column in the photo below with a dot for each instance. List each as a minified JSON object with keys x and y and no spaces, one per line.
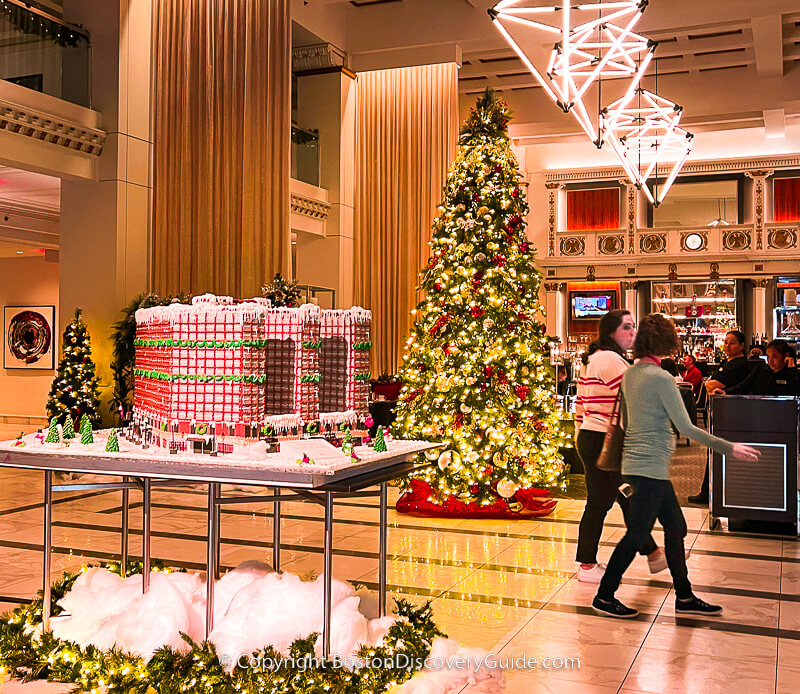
{"x":327,"y":102}
{"x":761,"y":307}
{"x":552,"y":216}
{"x":631,"y":214}
{"x":556,"y":310}
{"x":630,"y":298}
{"x":759,"y":203}
{"x":105,"y":223}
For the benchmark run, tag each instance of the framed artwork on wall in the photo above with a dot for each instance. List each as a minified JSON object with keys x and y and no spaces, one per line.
{"x":28,"y":338}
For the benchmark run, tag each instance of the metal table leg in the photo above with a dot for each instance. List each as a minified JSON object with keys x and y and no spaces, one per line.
{"x":48,"y":542}
{"x":218,"y":535}
{"x":276,"y":532}
{"x":213,"y":541}
{"x":384,"y":522}
{"x":146,"y":519}
{"x":328,"y":555}
{"x":123,"y":552}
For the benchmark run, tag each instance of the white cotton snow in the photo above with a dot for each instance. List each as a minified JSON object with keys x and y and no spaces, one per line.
{"x":253,"y":608}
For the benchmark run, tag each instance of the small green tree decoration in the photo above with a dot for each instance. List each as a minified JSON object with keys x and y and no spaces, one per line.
{"x":69,"y":429}
{"x":52,"y":432}
{"x":74,"y":391}
{"x":380,"y":444}
{"x":347,"y":443}
{"x":112,"y":445}
{"x":86,"y":433}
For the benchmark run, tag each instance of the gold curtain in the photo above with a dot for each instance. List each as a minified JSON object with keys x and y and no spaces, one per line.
{"x":221,"y":130}
{"x":406,"y":135}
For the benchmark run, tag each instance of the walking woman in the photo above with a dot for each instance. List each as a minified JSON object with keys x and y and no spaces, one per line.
{"x":651,"y":405}
{"x":597,"y":394}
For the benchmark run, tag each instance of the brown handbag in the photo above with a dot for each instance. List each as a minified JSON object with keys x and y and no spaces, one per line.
{"x":610,"y":458}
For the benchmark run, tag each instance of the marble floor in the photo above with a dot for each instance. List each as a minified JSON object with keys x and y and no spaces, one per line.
{"x":508,"y":587}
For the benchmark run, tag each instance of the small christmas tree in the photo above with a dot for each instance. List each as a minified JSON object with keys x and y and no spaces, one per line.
{"x":112,"y":445}
{"x":380,"y":444}
{"x":476,"y":369}
{"x":282,"y":292}
{"x":74,"y":391}
{"x":347,"y":443}
{"x":86,"y":433}
{"x":69,"y":429}
{"x":52,"y":432}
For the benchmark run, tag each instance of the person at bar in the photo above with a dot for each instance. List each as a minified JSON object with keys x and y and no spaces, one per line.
{"x":733,"y":371}
{"x":691,"y":374}
{"x":780,"y":377}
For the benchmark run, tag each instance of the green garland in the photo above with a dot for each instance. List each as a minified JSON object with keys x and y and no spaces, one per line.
{"x":27,"y":654}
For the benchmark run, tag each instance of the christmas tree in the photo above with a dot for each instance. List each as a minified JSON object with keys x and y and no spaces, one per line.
{"x":69,"y":429}
{"x":282,"y":292}
{"x":52,"y":432}
{"x":380,"y":444}
{"x":86,"y":433}
{"x":74,"y":392}
{"x":476,"y":368}
{"x":112,"y":445}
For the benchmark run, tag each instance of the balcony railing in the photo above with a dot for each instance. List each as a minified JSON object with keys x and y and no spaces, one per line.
{"x":305,"y":155}
{"x":774,"y":239}
{"x":41,"y":52}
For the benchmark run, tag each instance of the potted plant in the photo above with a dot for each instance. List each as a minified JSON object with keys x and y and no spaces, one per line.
{"x":386,"y":386}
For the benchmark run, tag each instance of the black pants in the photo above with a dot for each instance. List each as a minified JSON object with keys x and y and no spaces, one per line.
{"x":602,"y":490}
{"x":652,"y":499}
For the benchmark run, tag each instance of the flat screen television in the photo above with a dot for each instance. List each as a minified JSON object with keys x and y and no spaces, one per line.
{"x":591,"y":305}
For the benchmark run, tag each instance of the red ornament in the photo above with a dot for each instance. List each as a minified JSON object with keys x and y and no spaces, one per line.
{"x":515,"y":221}
{"x":446,"y":348}
{"x":515,"y":193}
{"x":476,"y":311}
{"x":499,"y":260}
{"x":521,"y":391}
{"x":522,"y":316}
{"x":474,"y":488}
{"x":488,"y":371}
{"x":488,"y":470}
{"x":497,"y":168}
{"x":459,"y":422}
{"x":437,"y":286}
{"x":476,"y":197}
{"x":413,"y":394}
{"x":524,"y":246}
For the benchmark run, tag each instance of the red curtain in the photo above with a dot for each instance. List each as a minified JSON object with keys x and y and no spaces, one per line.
{"x":786,"y":199}
{"x":593,"y":209}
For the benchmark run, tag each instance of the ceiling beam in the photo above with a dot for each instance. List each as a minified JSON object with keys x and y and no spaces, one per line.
{"x":768,"y":45}
{"x":775,"y":123}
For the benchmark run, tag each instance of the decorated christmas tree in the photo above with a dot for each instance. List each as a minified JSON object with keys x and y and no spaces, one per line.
{"x":52,"y":432}
{"x":476,"y":367}
{"x":282,"y":292}
{"x":69,"y":429}
{"x":74,"y":392}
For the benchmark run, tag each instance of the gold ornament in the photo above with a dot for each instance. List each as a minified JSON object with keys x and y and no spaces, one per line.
{"x":506,"y":488}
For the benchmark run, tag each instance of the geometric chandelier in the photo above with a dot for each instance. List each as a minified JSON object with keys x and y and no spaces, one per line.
{"x":594,"y":40}
{"x":642,"y":129}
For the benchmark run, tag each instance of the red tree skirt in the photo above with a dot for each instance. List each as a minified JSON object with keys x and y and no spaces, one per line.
{"x":535,"y":503}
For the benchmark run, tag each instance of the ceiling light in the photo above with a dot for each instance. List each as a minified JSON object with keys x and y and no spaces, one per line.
{"x":595,"y":41}
{"x":20,"y":252}
{"x":642,"y":129}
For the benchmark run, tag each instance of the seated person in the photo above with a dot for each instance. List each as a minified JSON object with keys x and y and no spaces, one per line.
{"x":691,"y":374}
{"x":736,"y":368}
{"x":670,"y":367}
{"x":779,"y":378}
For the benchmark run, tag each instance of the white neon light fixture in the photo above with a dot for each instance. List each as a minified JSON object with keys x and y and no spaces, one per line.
{"x":643,"y":130}
{"x":594,"y":41}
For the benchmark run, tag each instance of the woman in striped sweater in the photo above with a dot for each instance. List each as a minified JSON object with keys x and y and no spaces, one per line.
{"x":597,"y":392}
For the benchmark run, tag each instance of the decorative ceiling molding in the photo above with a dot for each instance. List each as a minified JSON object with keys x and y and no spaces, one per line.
{"x":46,"y":213}
{"x":308,"y":207}
{"x":697,"y":167}
{"x":55,"y":130}
{"x":320,"y":56}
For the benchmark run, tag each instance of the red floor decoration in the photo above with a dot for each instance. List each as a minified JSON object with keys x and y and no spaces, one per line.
{"x":535,"y":503}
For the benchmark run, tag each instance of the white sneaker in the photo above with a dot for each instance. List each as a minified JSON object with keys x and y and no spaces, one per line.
{"x":593,"y":575}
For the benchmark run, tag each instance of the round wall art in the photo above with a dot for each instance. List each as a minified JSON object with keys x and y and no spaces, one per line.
{"x":29,"y":337}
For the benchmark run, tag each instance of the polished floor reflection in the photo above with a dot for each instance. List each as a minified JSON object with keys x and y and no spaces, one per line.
{"x":508,"y":587}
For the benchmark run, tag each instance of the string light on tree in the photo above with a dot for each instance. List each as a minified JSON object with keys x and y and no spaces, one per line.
{"x":474,"y":368}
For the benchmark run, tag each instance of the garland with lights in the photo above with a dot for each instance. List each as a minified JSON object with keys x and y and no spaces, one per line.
{"x":28,"y":654}
{"x":476,"y":367}
{"x":74,"y":391}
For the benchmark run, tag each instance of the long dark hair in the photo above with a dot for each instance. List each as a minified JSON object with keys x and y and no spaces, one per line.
{"x":608,"y":326}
